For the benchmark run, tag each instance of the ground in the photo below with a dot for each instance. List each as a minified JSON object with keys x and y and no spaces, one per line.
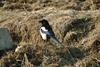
{"x":76,"y":24}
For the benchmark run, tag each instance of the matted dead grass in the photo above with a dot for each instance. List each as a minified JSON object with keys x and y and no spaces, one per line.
{"x":78,"y":30}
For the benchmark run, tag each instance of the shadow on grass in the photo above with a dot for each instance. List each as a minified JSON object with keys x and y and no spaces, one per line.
{"x":72,"y":57}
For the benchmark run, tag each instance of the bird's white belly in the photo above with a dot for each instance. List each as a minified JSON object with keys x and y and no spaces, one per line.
{"x":43,"y":35}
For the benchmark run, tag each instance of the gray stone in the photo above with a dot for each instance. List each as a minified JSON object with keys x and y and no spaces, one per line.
{"x":5,"y":39}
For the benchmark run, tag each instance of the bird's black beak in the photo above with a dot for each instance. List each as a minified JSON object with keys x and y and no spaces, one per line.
{"x":40,"y":21}
{"x":43,"y":21}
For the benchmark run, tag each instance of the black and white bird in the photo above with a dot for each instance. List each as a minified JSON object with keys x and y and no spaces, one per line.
{"x":47,"y":33}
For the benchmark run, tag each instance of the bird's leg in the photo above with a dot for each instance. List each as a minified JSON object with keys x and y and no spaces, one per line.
{"x":44,"y":40}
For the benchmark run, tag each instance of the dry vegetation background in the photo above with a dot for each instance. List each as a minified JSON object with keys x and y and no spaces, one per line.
{"x":76,"y":24}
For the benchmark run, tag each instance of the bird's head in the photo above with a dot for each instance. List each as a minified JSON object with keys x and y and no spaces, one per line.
{"x":44,"y":22}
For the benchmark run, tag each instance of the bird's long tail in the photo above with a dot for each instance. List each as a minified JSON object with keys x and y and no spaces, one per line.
{"x":56,"y":42}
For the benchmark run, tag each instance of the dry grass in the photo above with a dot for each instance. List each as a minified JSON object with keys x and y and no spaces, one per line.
{"x":77,"y":30}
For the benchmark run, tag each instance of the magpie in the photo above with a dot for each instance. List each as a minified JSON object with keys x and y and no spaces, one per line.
{"x":47,"y":33}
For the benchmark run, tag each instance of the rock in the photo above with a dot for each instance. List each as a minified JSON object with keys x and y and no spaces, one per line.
{"x":5,"y":39}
